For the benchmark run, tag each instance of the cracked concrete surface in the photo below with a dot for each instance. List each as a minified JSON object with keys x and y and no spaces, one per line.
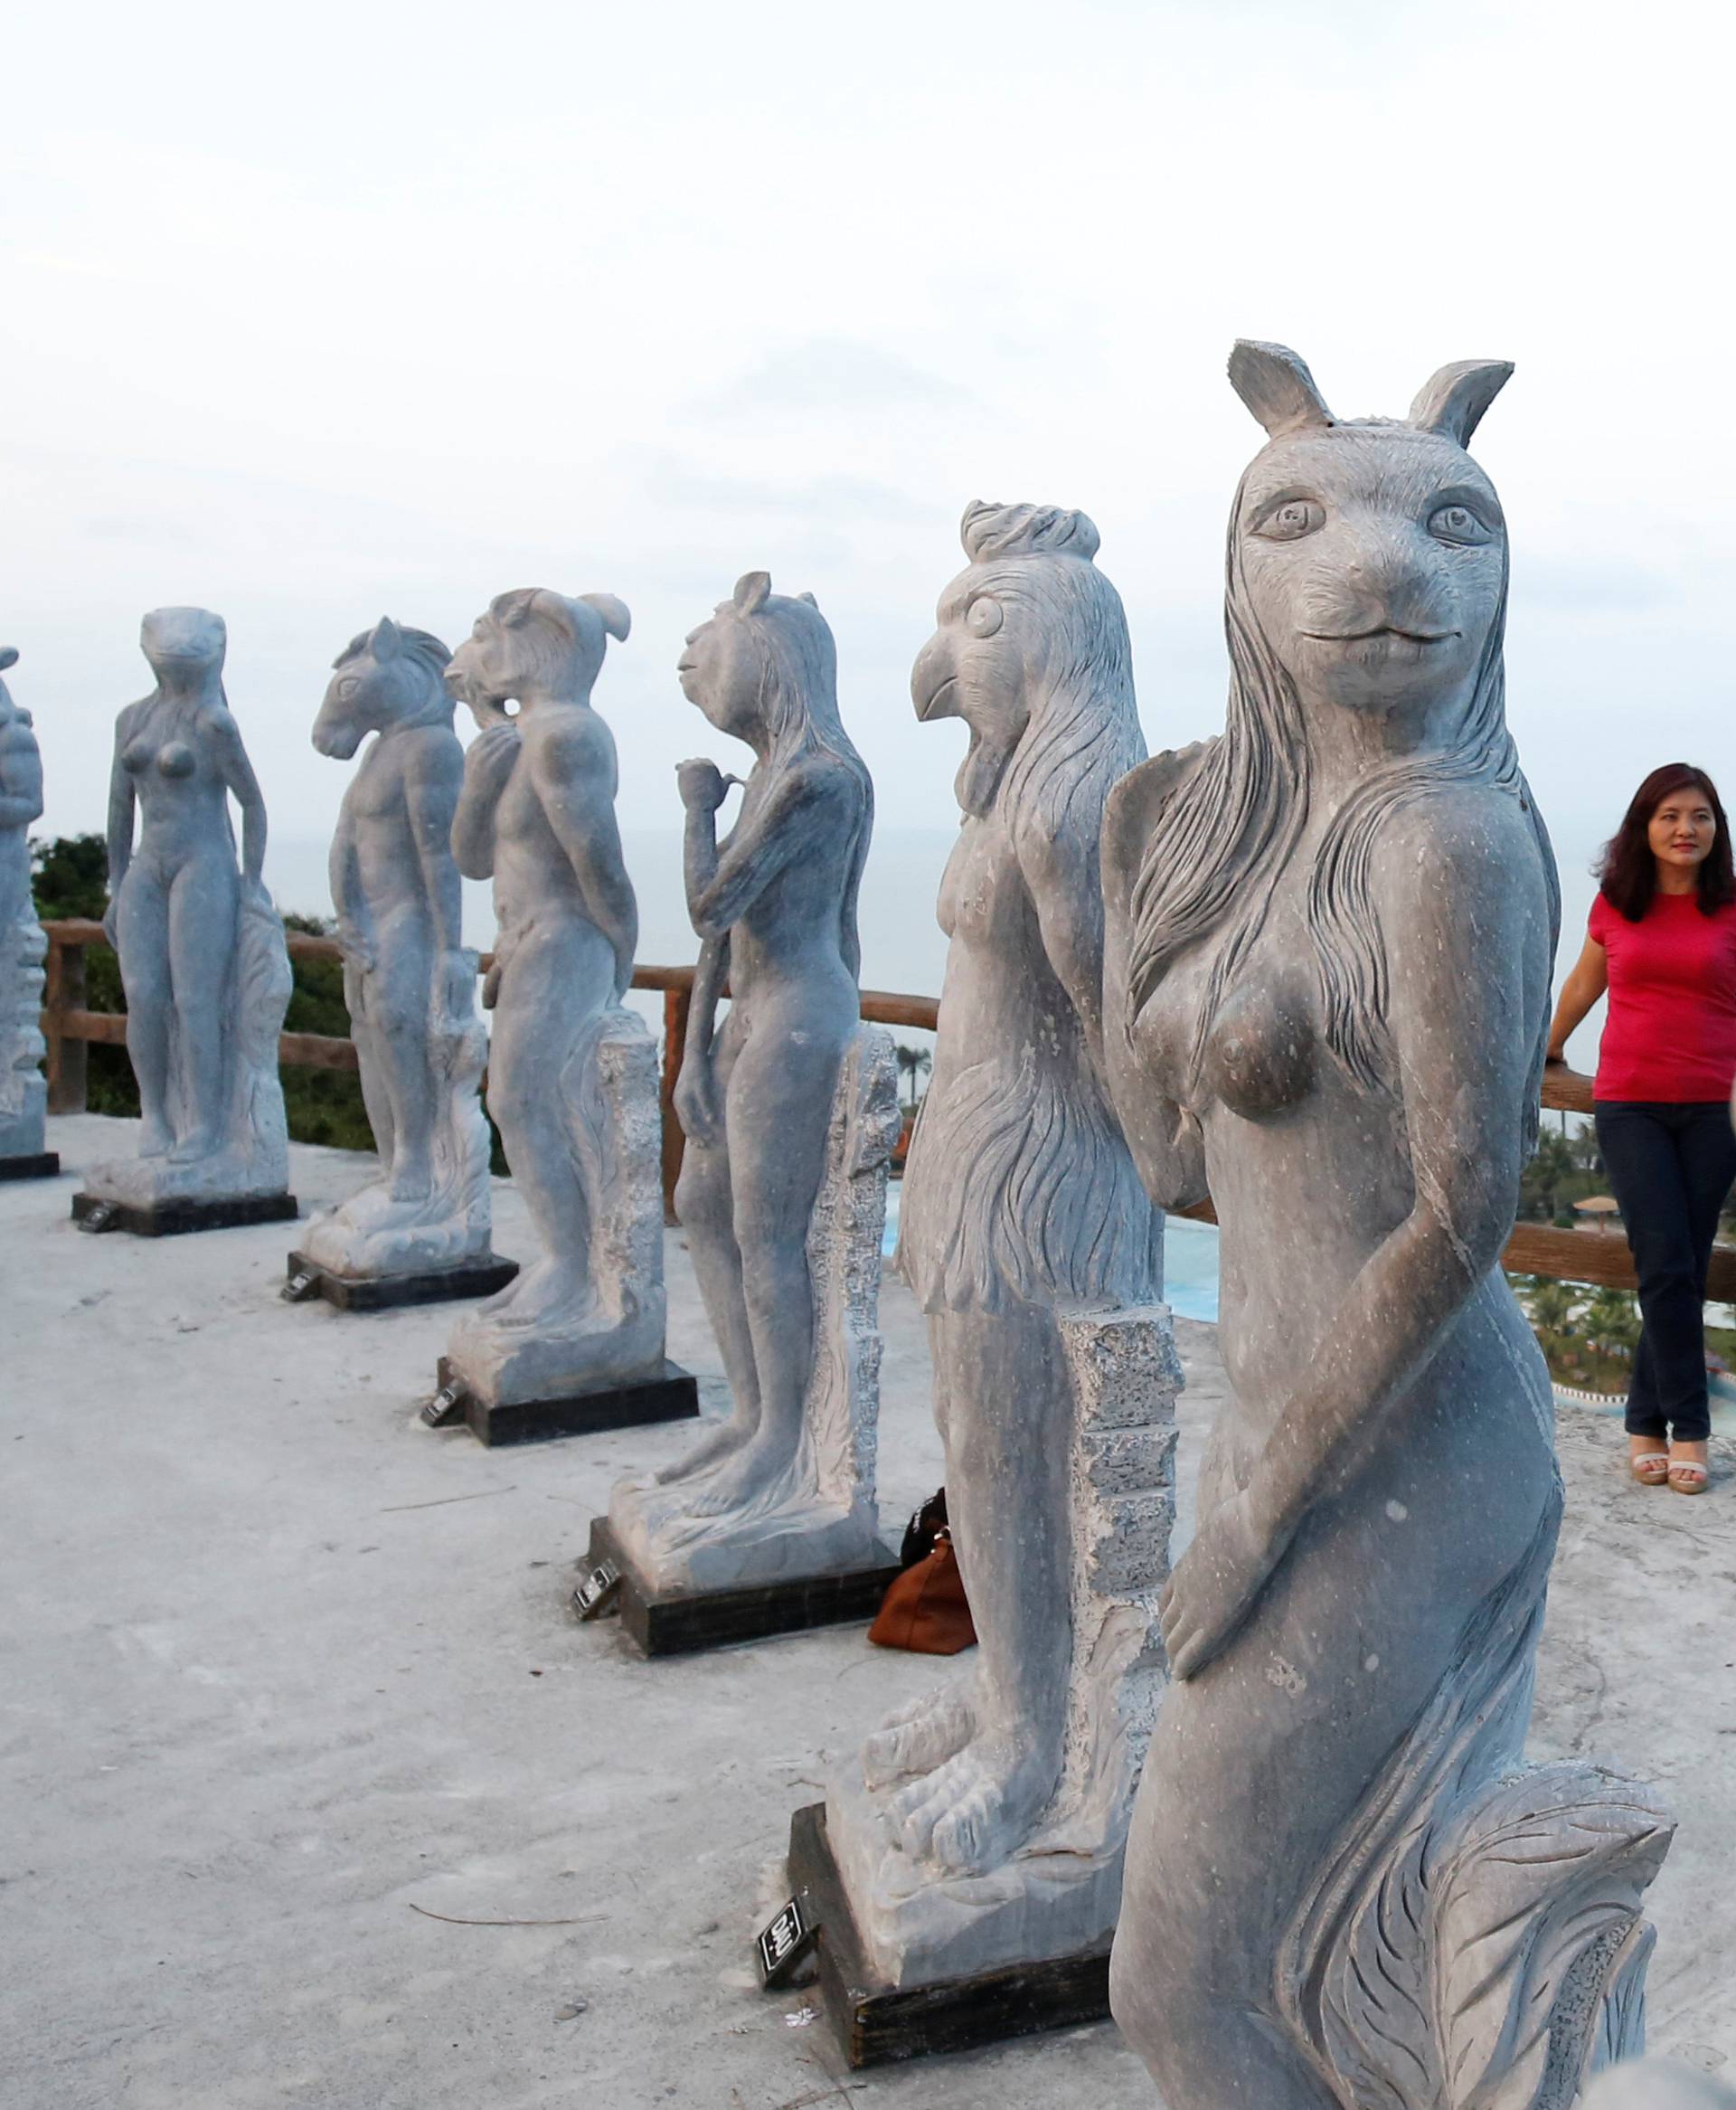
{"x":280,"y":1666}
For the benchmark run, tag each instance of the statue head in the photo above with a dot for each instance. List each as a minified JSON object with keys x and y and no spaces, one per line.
{"x":1030,"y":650}
{"x":389,"y":676}
{"x":764,"y":668}
{"x":534,"y":644}
{"x":10,"y":714}
{"x":1370,"y":555}
{"x":184,"y":640}
{"x":1365,"y":585}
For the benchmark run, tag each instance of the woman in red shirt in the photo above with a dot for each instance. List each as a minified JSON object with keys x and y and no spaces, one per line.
{"x":1663,"y":943}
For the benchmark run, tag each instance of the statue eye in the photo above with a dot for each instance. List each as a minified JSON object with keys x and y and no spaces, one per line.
{"x":984,"y":616}
{"x":1292,"y":520}
{"x":347,"y":687}
{"x":1459,"y":523}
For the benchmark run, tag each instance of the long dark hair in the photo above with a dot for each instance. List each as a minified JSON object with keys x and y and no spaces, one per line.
{"x":1627,"y":871}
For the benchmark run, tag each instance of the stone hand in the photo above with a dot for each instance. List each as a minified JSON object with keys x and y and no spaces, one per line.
{"x":1214,"y":1587}
{"x":696,"y":1102}
{"x":455,"y":984}
{"x":702,"y":785}
{"x":357,"y":949}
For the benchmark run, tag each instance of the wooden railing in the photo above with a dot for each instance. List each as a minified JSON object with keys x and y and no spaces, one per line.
{"x":1600,"y":1257}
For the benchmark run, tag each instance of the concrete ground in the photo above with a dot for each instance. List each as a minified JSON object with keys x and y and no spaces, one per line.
{"x":286,"y":1678}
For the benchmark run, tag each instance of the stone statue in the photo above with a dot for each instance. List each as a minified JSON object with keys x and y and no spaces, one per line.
{"x":790,"y":1113}
{"x":23,"y":1094}
{"x":1021,"y":1205}
{"x":572,"y":1074}
{"x":1326,"y":995}
{"x":408,"y":983}
{"x":1658,"y":2083}
{"x":202,"y":950}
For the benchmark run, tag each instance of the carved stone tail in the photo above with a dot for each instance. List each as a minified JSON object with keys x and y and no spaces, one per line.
{"x":1475,"y":1943}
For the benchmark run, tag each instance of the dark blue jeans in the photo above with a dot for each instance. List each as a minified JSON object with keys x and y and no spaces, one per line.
{"x":1670,"y":1168}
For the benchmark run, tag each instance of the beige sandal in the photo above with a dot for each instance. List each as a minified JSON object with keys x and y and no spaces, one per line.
{"x":1693,"y":1476}
{"x":1650,"y":1468}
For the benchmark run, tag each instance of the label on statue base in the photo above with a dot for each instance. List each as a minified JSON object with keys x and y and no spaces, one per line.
{"x":597,"y":1594}
{"x":673,"y":1623}
{"x":781,"y":1947}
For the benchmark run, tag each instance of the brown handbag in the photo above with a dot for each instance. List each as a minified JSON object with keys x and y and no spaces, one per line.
{"x":925,"y":1609}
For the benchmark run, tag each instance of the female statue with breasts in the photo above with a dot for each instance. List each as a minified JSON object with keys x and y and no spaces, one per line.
{"x":1331,"y":932}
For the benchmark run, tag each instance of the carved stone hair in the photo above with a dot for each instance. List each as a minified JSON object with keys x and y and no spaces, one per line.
{"x":989,"y":531}
{"x":421,"y":646}
{"x":1218,"y":845}
{"x":798,"y":693}
{"x":551,"y":629}
{"x":1083,"y":729}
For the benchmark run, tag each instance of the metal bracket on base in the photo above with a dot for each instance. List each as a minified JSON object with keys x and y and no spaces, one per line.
{"x":301,"y":1287}
{"x":100,"y":1216}
{"x":598,"y":1591}
{"x":446,"y":1409}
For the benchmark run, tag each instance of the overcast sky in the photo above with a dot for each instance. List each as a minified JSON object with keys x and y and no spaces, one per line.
{"x":320,"y":312}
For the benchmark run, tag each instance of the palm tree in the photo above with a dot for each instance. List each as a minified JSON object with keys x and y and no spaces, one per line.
{"x":914,"y":1063}
{"x":1612,"y":1322}
{"x":1549,"y":1305}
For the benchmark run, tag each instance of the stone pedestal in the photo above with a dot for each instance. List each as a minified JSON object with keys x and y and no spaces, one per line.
{"x":665,"y":1622}
{"x":177,"y":1214}
{"x":31,"y":1165}
{"x":666,"y":1395}
{"x":796,"y":1532}
{"x":575,"y":1342}
{"x":1051,"y":1907}
{"x":480,"y":1277}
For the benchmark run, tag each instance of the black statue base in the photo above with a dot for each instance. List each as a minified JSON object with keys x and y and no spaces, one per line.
{"x":874,"y":2022}
{"x":672,"y":1396}
{"x":675,"y":1623}
{"x":477,"y":1278}
{"x":169,"y":1219}
{"x":38,"y":1165}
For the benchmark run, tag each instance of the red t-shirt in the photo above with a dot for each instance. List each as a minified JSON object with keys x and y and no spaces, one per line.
{"x":1671,"y":1030}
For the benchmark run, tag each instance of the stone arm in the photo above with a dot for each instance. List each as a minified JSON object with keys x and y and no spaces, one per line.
{"x":1469,"y":945}
{"x":574,"y":773}
{"x":121,"y":797}
{"x":488,"y":762}
{"x":724,"y":885}
{"x":237,"y":773}
{"x":696,"y":1106}
{"x":1066,"y":890}
{"x":1166,"y":1138}
{"x":21,"y":775}
{"x":433,"y":779}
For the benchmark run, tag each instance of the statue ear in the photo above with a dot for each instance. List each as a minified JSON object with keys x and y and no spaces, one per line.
{"x":1454,"y":400}
{"x":512,"y":607}
{"x":388,"y":640}
{"x":617,"y":621}
{"x":8,"y":657}
{"x":810,"y":600}
{"x":1278,"y":388}
{"x":752,"y":591}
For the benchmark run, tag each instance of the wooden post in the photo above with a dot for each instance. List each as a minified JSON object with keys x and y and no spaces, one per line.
{"x":675,"y":1005}
{"x":66,"y":1058}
